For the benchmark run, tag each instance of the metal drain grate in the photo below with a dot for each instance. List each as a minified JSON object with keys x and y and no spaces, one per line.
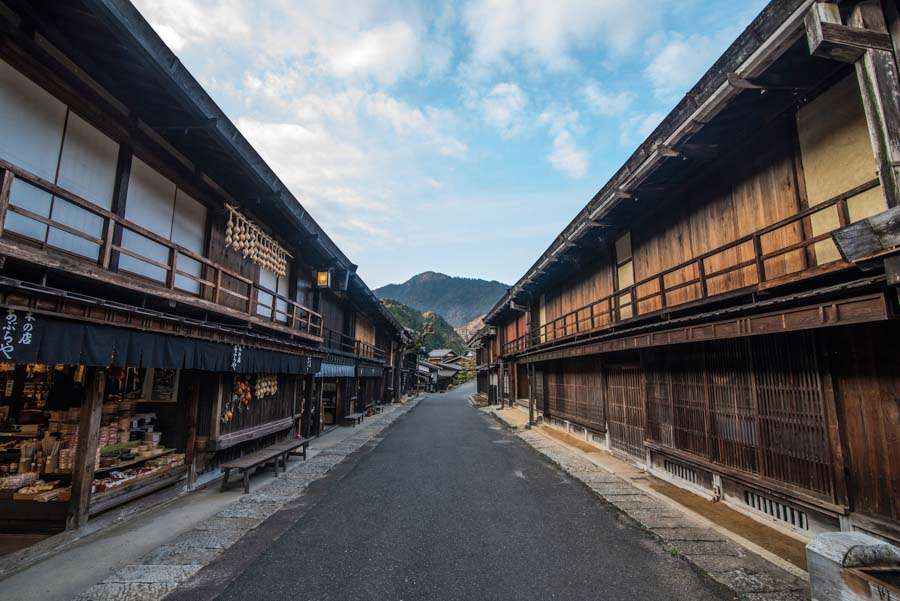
{"x":598,"y":439}
{"x":682,"y":472}
{"x":777,"y":510}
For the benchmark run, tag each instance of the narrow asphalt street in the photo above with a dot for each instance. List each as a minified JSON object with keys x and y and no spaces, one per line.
{"x":451,"y":506}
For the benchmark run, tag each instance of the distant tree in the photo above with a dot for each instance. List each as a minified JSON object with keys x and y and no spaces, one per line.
{"x":467,"y":373}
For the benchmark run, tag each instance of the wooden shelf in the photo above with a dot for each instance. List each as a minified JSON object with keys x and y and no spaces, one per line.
{"x":111,"y":468}
{"x":138,"y":488}
{"x":120,"y":466}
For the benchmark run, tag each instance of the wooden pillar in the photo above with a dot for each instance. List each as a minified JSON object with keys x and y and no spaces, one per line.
{"x":398,"y":368}
{"x":879,"y":84}
{"x":308,"y":406}
{"x":86,"y":454}
{"x":192,"y":413}
{"x":5,"y":188}
{"x":120,"y":196}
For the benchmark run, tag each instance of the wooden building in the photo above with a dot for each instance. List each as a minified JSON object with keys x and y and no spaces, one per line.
{"x":167,"y":303}
{"x":723,"y":311}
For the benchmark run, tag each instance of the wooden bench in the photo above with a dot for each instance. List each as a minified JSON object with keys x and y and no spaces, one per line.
{"x":356,"y":418}
{"x":276,"y":453}
{"x":379,"y":408}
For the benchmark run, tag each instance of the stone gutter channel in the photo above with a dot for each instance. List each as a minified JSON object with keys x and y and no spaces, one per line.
{"x":162,"y":570}
{"x":748,"y":576}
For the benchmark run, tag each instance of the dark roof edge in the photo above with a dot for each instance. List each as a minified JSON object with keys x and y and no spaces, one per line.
{"x":778,"y":25}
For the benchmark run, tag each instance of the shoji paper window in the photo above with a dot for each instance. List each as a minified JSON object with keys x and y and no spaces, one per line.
{"x":39,"y":134}
{"x":264,"y":300}
{"x":87,"y":167}
{"x":157,"y":205}
{"x":31,"y":123}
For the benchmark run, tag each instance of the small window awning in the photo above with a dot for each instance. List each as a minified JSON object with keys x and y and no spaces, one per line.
{"x":370,"y":372}
{"x":31,"y":338}
{"x":335,"y":370}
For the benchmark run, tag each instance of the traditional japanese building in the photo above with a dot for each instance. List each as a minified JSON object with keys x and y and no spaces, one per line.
{"x":723,"y":310}
{"x":167,"y":303}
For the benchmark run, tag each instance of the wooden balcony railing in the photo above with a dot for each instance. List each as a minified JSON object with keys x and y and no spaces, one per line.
{"x":216,"y":283}
{"x":337,"y":341}
{"x":697,"y":279}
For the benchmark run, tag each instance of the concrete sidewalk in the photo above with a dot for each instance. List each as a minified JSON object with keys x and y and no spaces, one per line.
{"x":727,"y":558}
{"x":147,"y":556}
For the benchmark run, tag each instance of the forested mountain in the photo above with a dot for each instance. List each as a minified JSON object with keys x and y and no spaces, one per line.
{"x":458,"y":300}
{"x":443,"y":335}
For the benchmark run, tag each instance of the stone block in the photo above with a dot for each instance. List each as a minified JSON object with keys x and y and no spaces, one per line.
{"x":830,"y":556}
{"x":180,"y":555}
{"x":127,"y":591}
{"x":154,"y":573}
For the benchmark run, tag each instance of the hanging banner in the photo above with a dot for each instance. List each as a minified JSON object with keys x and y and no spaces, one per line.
{"x":26,"y":337}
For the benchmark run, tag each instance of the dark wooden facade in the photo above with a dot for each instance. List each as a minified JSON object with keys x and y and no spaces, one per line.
{"x":83,"y":240}
{"x":709,"y":308}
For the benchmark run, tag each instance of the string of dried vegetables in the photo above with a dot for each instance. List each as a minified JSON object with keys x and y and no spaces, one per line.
{"x":244,"y":236}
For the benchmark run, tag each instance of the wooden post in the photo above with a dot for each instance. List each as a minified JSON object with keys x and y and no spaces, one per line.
{"x":309,"y":400}
{"x":192,"y":413}
{"x":218,"y":408}
{"x":218,"y":285}
{"x":173,"y":266}
{"x":109,"y":231}
{"x":760,"y":265}
{"x":86,"y":453}
{"x":5,"y":188}
{"x":120,"y":195}
{"x":878,"y":83}
{"x":701,"y":269}
{"x":398,"y":366}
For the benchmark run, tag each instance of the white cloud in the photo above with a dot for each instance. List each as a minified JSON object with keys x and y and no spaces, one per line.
{"x":307,"y":160}
{"x":404,"y":118}
{"x":608,"y":104}
{"x":634,"y":129}
{"x":183,"y":23}
{"x":679,"y":61}
{"x":567,"y":157}
{"x":503,"y":108}
{"x":386,"y":53}
{"x":368,"y":39}
{"x":545,"y":32}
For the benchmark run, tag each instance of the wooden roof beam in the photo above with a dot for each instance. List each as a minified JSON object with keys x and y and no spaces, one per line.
{"x":829,"y":38}
{"x":699,"y":151}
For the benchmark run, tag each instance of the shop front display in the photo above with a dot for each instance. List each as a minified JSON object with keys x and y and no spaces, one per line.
{"x":129,"y":393}
{"x":41,"y":408}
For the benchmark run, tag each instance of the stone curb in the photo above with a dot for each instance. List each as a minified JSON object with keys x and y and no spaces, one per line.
{"x":159,"y":572}
{"x":745,"y":574}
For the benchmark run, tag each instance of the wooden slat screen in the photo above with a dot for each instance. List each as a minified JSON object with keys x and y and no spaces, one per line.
{"x":733,"y":422}
{"x":752,"y":404}
{"x":625,"y":397}
{"x":575,"y":393}
{"x":261,"y":411}
{"x":791,"y":415}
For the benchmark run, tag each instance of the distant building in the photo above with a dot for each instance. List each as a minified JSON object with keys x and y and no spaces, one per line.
{"x":443,"y":355}
{"x":446,"y":376}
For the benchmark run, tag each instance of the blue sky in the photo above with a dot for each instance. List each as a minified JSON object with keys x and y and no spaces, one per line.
{"x":455,"y":137}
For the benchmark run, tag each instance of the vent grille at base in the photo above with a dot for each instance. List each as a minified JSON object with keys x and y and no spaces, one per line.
{"x":682,"y":472}
{"x":777,"y":510}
